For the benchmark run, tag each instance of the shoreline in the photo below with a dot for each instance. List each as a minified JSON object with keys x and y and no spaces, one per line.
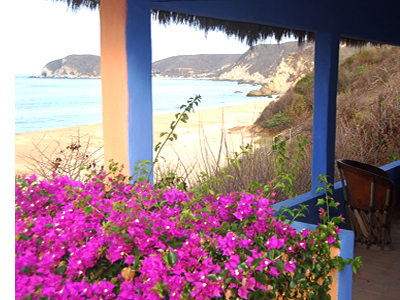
{"x":205,"y":126}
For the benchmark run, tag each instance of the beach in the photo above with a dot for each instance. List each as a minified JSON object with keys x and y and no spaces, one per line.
{"x":199,"y":140}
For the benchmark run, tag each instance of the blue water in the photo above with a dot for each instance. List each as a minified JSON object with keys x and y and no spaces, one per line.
{"x":42,"y":103}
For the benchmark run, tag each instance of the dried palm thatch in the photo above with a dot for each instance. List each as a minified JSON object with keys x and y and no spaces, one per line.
{"x":245,"y":32}
{"x":77,"y":4}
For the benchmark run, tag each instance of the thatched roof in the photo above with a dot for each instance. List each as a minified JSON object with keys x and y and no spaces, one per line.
{"x":249,"y":33}
{"x":77,"y":4}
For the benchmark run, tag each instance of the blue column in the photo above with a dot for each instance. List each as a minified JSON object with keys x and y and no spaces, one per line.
{"x":325,"y":89}
{"x":140,"y":114}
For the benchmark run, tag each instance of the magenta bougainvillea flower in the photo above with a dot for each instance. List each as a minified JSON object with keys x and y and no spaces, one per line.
{"x":108,"y":239}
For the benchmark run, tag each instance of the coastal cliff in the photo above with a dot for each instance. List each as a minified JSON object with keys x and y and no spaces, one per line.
{"x":258,"y":63}
{"x":291,"y":68}
{"x":208,"y":66}
{"x":73,"y":66}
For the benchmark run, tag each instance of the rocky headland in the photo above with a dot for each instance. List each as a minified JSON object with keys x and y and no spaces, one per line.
{"x":72,"y":66}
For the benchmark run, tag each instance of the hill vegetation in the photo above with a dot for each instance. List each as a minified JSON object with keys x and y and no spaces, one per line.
{"x":368,"y":107}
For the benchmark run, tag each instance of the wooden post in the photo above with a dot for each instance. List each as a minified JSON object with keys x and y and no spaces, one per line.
{"x":126,"y":81}
{"x":138,"y":50}
{"x":325,"y":89}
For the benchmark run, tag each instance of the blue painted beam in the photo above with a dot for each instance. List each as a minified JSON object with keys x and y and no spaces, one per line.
{"x":138,"y":50}
{"x":366,"y":20}
{"x":325,"y":89}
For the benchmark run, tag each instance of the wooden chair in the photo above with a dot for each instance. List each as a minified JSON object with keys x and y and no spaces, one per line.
{"x":370,"y":200}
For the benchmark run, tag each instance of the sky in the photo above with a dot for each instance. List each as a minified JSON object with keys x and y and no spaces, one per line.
{"x":45,"y":31}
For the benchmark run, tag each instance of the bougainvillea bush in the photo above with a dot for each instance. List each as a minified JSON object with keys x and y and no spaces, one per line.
{"x":107,"y":239}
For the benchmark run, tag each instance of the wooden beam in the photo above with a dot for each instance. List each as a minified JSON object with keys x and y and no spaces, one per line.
{"x":357,"y":19}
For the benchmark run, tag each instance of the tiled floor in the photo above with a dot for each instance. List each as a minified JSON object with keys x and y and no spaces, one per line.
{"x":380,"y":276}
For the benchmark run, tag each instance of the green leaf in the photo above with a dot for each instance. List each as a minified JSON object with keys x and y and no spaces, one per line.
{"x":293,"y":284}
{"x":39,"y":242}
{"x":354,"y":267}
{"x":341,"y":267}
{"x":322,"y":235}
{"x":242,"y":266}
{"x":280,"y":265}
{"x":88,"y":210}
{"x":261,"y":278}
{"x":213,"y":277}
{"x":26,"y":270}
{"x":61,"y":269}
{"x":337,"y":220}
{"x":148,"y":231}
{"x":223,"y":273}
{"x":290,"y":212}
{"x":321,"y":201}
{"x":172,"y":258}
{"x":49,"y":225}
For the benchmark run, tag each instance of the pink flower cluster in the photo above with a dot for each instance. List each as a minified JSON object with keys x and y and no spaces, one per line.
{"x":84,"y":241}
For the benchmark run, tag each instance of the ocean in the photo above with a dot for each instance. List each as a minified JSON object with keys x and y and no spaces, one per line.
{"x":45,"y":103}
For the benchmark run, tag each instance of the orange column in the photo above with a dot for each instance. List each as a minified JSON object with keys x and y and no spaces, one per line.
{"x":114,"y":81}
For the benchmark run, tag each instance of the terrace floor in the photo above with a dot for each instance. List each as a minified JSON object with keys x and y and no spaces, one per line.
{"x":379,"y":278}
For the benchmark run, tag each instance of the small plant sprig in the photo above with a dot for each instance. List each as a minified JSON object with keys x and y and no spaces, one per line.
{"x":325,"y":185}
{"x":329,"y":225}
{"x":171,"y":136}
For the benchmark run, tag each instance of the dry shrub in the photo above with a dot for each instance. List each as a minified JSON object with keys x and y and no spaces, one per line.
{"x":76,"y":160}
{"x":261,"y":166}
{"x":229,"y":171}
{"x":368,"y":120}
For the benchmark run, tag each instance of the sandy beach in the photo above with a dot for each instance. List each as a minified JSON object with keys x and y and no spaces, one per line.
{"x":199,"y":140}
